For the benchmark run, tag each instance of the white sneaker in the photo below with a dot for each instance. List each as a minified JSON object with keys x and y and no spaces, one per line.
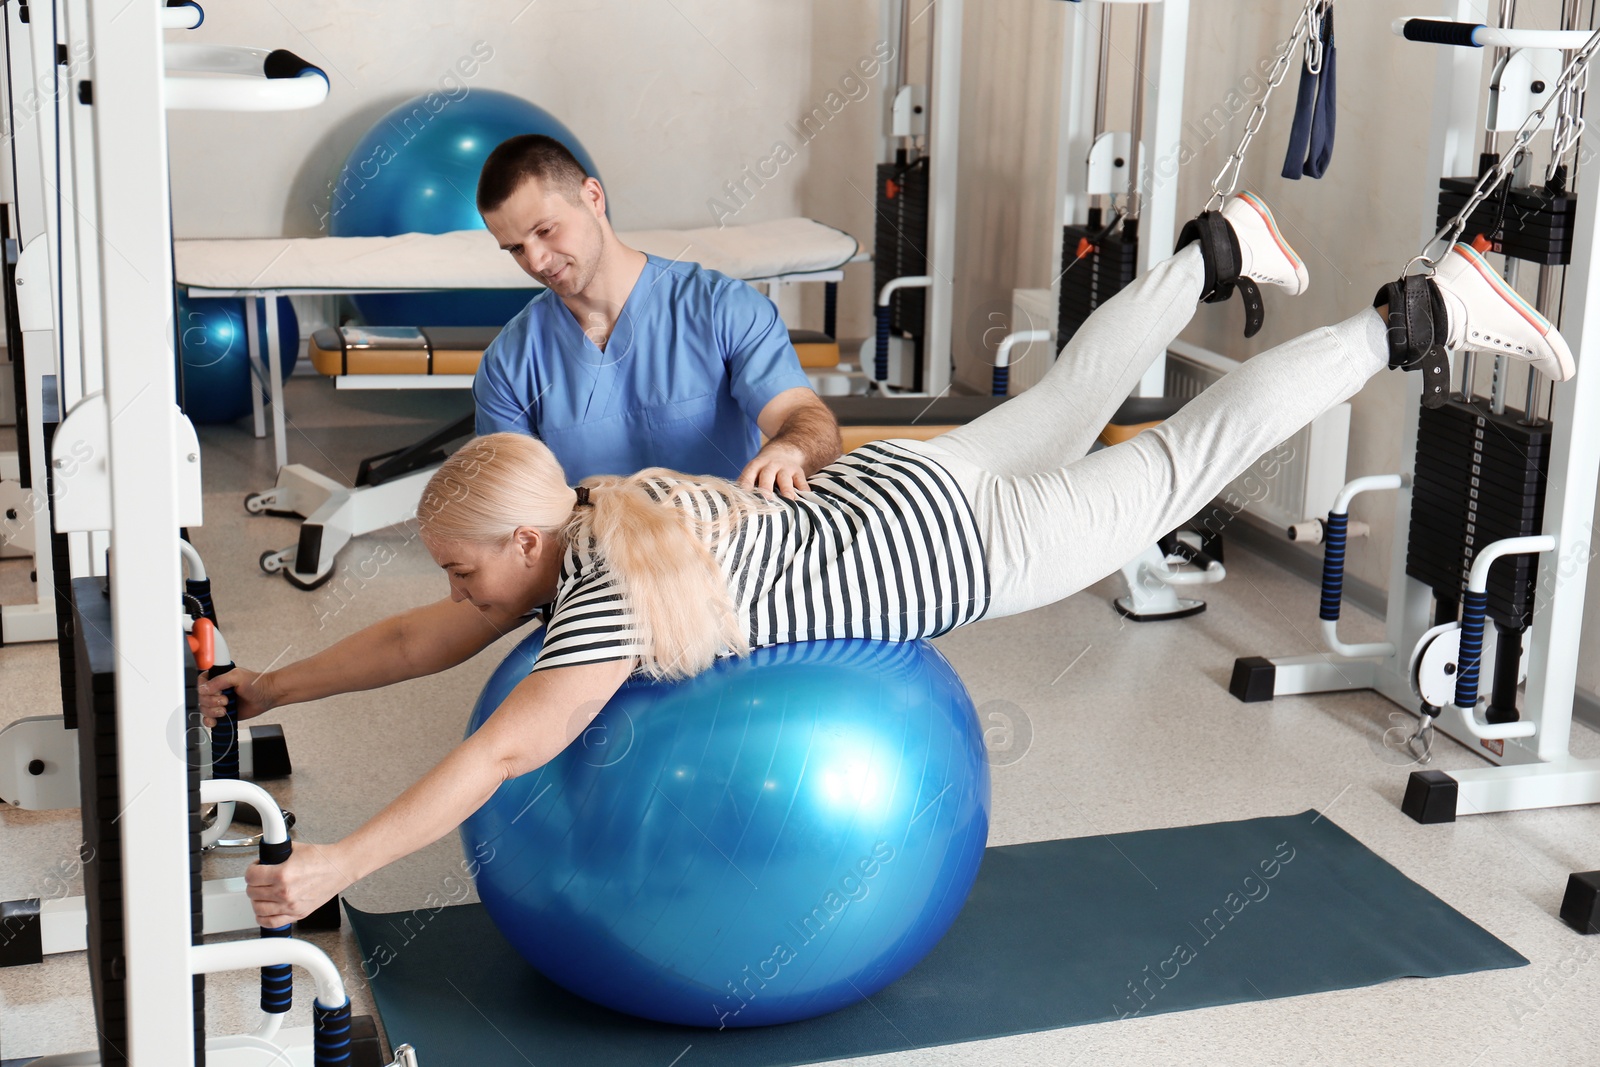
{"x":1485,"y":313}
{"x":1264,"y":254}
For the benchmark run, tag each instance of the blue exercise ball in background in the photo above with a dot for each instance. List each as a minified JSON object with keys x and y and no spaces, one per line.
{"x":215,"y":353}
{"x":416,"y":171}
{"x":776,"y":838}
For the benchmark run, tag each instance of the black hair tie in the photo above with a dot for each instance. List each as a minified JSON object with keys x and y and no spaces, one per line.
{"x":583,"y":496}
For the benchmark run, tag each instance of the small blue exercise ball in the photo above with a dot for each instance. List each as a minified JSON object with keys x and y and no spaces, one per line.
{"x":215,"y":352}
{"x":416,"y":171}
{"x":776,"y":838}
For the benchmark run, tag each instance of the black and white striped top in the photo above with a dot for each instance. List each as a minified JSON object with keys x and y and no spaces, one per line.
{"x":884,"y":547}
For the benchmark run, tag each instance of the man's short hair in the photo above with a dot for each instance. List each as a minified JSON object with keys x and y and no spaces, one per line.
{"x":524,"y":157}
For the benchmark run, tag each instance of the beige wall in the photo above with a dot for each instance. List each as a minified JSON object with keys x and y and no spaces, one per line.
{"x":671,"y":100}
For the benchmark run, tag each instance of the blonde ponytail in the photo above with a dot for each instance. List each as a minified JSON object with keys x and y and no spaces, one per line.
{"x":659,"y":550}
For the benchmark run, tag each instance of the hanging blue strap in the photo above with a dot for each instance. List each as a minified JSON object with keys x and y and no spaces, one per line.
{"x":1311,"y":138}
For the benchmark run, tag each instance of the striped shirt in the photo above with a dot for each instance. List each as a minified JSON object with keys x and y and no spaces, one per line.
{"x":883,"y":547}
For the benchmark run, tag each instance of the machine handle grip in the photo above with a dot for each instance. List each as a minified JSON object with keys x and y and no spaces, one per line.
{"x":1434,"y":31}
{"x":203,"y":643}
{"x":330,"y":1037}
{"x":225,"y":734}
{"x":277,"y":980}
{"x":1474,"y":605}
{"x":1333,"y":536}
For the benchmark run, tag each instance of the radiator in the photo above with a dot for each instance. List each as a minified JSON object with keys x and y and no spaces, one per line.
{"x":1297,"y":480}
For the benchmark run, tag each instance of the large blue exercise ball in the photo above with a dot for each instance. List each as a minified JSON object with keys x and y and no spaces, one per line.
{"x":416,"y":171}
{"x":215,"y":354}
{"x":774,"y":839}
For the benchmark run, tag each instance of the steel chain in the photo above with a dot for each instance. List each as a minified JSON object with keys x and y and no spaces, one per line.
{"x":1303,"y":27}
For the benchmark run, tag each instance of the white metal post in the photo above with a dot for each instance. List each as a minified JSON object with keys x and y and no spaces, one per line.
{"x":280,"y":437}
{"x":1569,"y":494}
{"x":32,"y":142}
{"x":889,"y":29}
{"x":1080,"y":41}
{"x":944,"y":103}
{"x":61,"y":224}
{"x":78,"y":136}
{"x":135,"y":260}
{"x":1164,"y":67}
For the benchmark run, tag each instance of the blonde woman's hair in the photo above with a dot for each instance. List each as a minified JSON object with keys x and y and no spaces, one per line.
{"x":659,"y":550}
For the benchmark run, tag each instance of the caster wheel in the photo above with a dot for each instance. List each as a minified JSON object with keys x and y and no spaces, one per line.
{"x":257,"y":503}
{"x":273,"y":562}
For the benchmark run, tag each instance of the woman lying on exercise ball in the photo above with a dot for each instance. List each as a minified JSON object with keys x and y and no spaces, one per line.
{"x":662,"y":572}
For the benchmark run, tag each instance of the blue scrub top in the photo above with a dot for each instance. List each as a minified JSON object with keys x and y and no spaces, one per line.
{"x":693,"y":359}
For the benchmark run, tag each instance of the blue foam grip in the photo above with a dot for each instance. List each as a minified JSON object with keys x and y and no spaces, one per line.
{"x":277,"y":980}
{"x":1333,"y":537}
{"x":880,"y":359}
{"x":1002,"y":382}
{"x":330,"y":1039}
{"x":1473,"y":607}
{"x":1431,"y":31}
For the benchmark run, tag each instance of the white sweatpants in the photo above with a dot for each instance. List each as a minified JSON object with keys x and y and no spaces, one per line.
{"x":1053,"y":519}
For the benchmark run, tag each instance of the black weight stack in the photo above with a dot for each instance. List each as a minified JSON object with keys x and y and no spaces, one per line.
{"x":1094,"y":268}
{"x":900,"y":248}
{"x":1532,"y":224}
{"x":1480,"y":478}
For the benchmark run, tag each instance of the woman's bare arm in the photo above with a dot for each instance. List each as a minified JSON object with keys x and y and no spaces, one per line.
{"x":539,"y":718}
{"x":422,"y":641}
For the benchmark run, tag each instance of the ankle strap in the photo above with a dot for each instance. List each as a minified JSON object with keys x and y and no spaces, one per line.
{"x":1416,"y":326}
{"x":1219,"y":250}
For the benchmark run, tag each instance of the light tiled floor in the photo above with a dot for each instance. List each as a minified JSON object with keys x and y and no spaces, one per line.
{"x":1123,"y":727}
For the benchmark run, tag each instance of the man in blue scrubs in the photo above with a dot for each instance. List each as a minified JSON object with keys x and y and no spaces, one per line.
{"x":628,"y":360}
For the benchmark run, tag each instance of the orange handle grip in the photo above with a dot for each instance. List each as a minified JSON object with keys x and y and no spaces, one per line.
{"x":203,"y":643}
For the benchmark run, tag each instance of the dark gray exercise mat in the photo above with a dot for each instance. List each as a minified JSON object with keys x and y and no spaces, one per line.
{"x":1056,"y":933}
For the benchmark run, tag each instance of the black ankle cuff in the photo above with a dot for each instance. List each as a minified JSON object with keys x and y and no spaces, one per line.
{"x":1416,"y":332}
{"x":1219,"y":251}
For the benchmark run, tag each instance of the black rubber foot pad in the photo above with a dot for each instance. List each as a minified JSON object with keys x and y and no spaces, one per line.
{"x":21,"y":938}
{"x":1430,"y":797}
{"x":327,"y":917}
{"x":365,"y":1048}
{"x":1580,"y":907}
{"x":269,"y":754}
{"x":1254,"y":679}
